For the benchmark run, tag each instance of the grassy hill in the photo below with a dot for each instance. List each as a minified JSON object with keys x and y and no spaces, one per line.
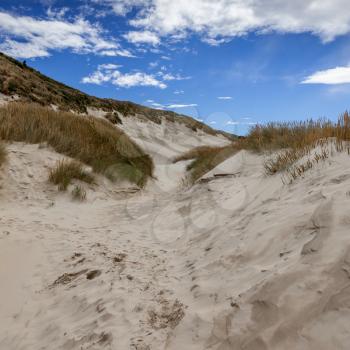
{"x":32,"y":86}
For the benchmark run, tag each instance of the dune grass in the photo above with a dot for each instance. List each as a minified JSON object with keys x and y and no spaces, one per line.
{"x":78,"y":193}
{"x":65,"y":171}
{"x":288,"y":142}
{"x":295,"y":140}
{"x":3,"y":154}
{"x":206,"y":158}
{"x":96,"y":142}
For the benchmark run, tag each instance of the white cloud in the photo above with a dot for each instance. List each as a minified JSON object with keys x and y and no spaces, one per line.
{"x":232,"y":122}
{"x":212,"y":122}
{"x":51,"y":13}
{"x":119,"y":52}
{"x":182,"y":105}
{"x":27,"y":37}
{"x":179,"y":92}
{"x":108,"y":66}
{"x":225,"y":98}
{"x":122,"y":7}
{"x":216,"y":21}
{"x":338,"y":75}
{"x":169,"y":76}
{"x":137,"y":79}
{"x":107,"y":73}
{"x":142,"y":37}
{"x":157,"y":105}
{"x":153,"y":64}
{"x":169,"y":106}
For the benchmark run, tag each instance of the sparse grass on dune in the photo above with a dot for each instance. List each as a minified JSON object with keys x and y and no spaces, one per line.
{"x":65,"y":171}
{"x":289,"y":142}
{"x":78,"y":193}
{"x":206,"y":158}
{"x":294,"y":140}
{"x":3,"y":154}
{"x":93,"y":141}
{"x":197,"y":152}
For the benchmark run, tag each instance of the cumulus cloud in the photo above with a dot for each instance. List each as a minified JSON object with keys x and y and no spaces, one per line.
{"x":110,"y":73}
{"x":27,"y":37}
{"x":122,"y":7}
{"x":142,"y":37}
{"x":225,"y":98}
{"x":333,"y":76}
{"x":218,"y":20}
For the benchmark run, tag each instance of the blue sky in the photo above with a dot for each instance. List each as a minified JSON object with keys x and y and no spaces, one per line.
{"x":230,"y":63}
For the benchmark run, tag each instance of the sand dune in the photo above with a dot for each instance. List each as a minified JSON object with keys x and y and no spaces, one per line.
{"x":234,"y":262}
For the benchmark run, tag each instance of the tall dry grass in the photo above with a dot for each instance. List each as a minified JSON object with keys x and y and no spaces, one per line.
{"x":295,"y":135}
{"x":3,"y":154}
{"x":206,"y":158}
{"x":93,"y":141}
{"x":65,"y":171}
{"x":294,"y":140}
{"x":291,"y":140}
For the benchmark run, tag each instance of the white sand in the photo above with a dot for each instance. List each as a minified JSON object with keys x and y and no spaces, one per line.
{"x":240,"y":262}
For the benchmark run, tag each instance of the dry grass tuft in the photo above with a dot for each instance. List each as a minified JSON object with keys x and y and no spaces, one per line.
{"x":206,"y":158}
{"x":197,"y":152}
{"x":3,"y":154}
{"x":65,"y":171}
{"x":90,"y":140}
{"x":78,"y":193}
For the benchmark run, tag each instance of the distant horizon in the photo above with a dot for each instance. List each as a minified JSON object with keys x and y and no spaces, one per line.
{"x":247,"y":64}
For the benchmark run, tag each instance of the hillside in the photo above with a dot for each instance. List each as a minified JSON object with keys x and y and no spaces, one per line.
{"x":16,"y":78}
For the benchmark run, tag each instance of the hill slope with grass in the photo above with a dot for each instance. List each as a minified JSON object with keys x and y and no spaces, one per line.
{"x":16,"y":78}
{"x":95,"y":142}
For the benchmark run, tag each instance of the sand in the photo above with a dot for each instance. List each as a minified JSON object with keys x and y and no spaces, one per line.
{"x":234,"y":262}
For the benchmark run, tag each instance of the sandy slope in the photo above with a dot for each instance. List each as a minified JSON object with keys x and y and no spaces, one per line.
{"x":239,"y":262}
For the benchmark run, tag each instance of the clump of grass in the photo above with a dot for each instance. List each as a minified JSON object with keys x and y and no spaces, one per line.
{"x":3,"y":154}
{"x":295,"y":140}
{"x":205,"y":159}
{"x":92,"y":141}
{"x":78,"y":193}
{"x":196,"y":152}
{"x":298,"y":170}
{"x":65,"y":171}
{"x":282,"y":161}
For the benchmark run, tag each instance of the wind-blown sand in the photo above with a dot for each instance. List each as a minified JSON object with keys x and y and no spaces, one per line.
{"x":235,"y":262}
